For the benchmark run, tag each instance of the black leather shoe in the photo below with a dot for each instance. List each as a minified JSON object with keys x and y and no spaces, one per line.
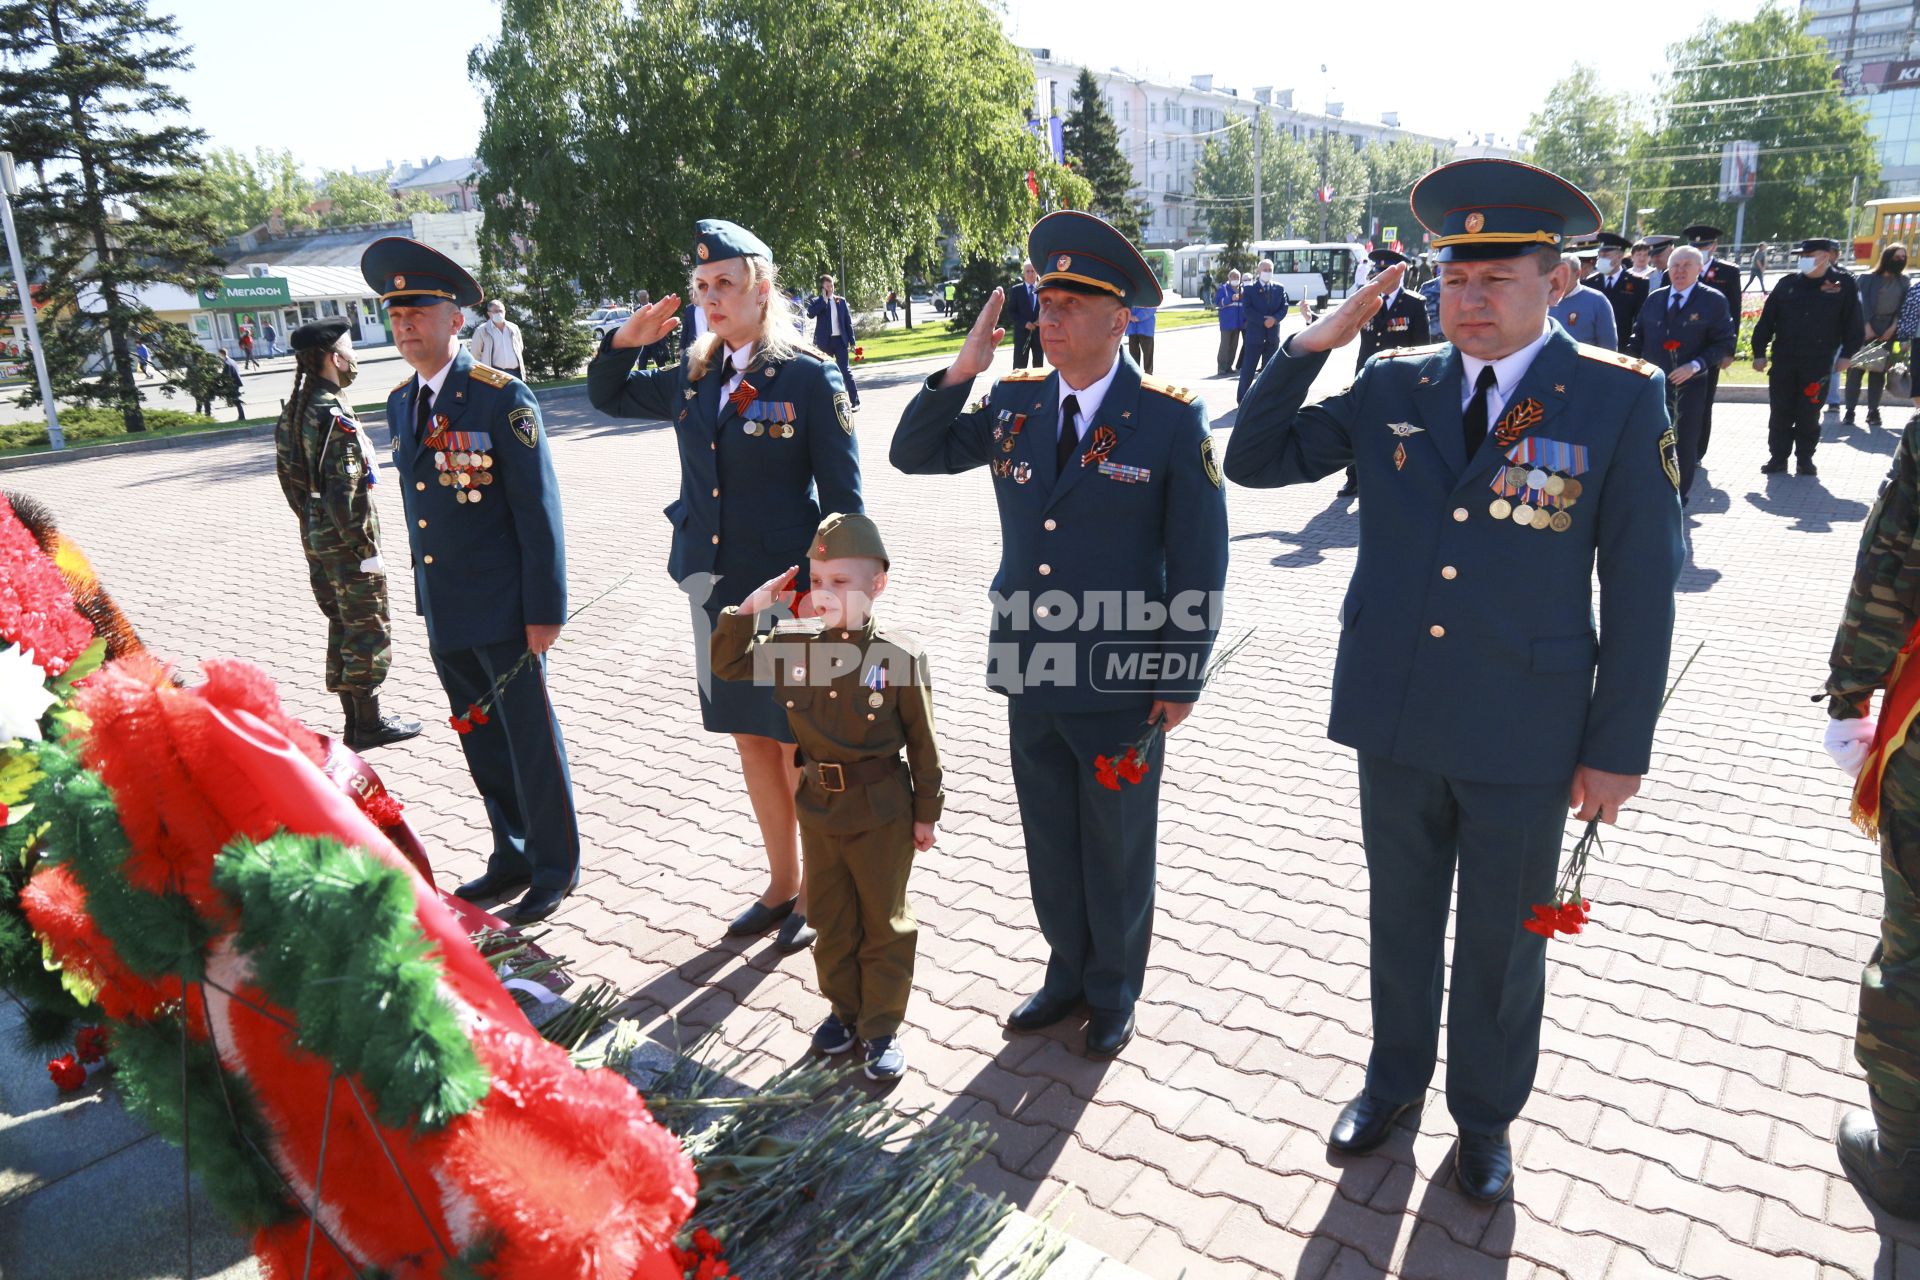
{"x":1806,"y":469}
{"x":1108,"y":1033}
{"x":1365,"y":1123}
{"x":759,"y":918}
{"x":494,"y":884}
{"x":1041,"y":1010}
{"x":537,"y":905}
{"x":1891,"y":1178}
{"x":795,"y":934}
{"x":1483,"y":1165}
{"x":1772,"y":468}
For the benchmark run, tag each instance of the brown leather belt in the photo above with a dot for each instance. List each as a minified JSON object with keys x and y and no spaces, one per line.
{"x":832,"y":777}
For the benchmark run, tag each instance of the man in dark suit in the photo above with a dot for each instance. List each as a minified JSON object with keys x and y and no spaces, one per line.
{"x":833,"y":332}
{"x":1023,"y":317}
{"x":1503,"y":469}
{"x":1719,"y":274}
{"x":1113,"y":536}
{"x":1626,"y":292}
{"x":1685,"y":331}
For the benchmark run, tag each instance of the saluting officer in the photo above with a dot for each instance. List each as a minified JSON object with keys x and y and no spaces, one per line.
{"x":489,"y":568}
{"x":1625,"y":291}
{"x":1724,"y":277}
{"x":1113,"y":535}
{"x":1401,"y":321}
{"x":1511,"y":456}
{"x":1263,"y":306}
{"x":1685,"y":331}
{"x":1807,"y":317}
{"x":326,"y":469}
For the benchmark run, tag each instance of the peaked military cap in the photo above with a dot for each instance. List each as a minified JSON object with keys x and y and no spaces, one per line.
{"x":1482,"y":209}
{"x":1608,"y":240}
{"x":1084,"y":254}
{"x":716,"y":240}
{"x":318,"y":333}
{"x":1384,"y":258}
{"x":841,"y":536}
{"x":406,"y":273}
{"x":1700,"y":235}
{"x":1657,"y":243}
{"x":1818,"y":244}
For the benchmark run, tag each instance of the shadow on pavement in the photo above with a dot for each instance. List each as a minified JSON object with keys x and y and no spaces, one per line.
{"x":1807,"y":502}
{"x":1334,"y":527}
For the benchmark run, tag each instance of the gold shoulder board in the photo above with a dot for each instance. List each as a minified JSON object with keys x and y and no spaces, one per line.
{"x":1607,"y":355}
{"x":1400,"y":353}
{"x":1025,"y":375}
{"x":1181,"y":394}
{"x":489,"y":375}
{"x":405,"y":383}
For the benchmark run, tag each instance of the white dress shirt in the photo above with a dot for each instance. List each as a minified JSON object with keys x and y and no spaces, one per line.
{"x":739,"y":358}
{"x":1507,"y":372}
{"x":1678,"y":303}
{"x":833,"y":314}
{"x":434,"y":383}
{"x":1089,"y":399}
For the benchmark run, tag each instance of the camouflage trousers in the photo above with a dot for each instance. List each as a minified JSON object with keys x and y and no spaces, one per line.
{"x":359,"y":641}
{"x":1888,"y":1041}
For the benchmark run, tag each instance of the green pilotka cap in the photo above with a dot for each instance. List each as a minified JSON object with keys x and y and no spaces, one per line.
{"x":843,"y":536}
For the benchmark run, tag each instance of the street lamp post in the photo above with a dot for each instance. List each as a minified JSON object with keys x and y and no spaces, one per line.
{"x":9,"y":188}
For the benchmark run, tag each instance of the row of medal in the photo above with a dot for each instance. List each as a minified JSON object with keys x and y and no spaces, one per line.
{"x":774,"y":431}
{"x":465,"y":471}
{"x":1543,"y":494}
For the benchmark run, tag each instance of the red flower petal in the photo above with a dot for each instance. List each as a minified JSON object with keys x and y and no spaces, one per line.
{"x":91,"y":1044}
{"x":475,"y":714}
{"x":67,"y":1074}
{"x":1540,"y":927}
{"x":460,"y":724}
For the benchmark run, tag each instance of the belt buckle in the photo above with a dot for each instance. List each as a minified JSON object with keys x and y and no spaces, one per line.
{"x":839,"y":775}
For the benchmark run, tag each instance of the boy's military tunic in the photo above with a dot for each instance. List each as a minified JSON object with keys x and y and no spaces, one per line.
{"x":1469,"y":676}
{"x":326,"y":470}
{"x":489,"y":560}
{"x":855,"y":700}
{"x":757,"y":472}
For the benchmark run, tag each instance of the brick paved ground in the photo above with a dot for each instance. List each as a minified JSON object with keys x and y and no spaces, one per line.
{"x":1698,"y":1047}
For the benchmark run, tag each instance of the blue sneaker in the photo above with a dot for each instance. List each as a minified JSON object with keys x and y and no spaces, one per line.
{"x":884,"y":1059}
{"x":834,"y":1036}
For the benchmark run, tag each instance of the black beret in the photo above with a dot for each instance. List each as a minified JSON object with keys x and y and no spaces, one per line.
{"x":318,"y":333}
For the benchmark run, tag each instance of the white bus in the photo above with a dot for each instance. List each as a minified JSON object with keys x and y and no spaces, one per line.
{"x":1307,"y":270}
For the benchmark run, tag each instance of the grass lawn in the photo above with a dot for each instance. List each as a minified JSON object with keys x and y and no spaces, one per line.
{"x":933,"y":337}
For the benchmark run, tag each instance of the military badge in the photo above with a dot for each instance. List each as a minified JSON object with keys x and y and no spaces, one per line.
{"x":1403,"y":429}
{"x":701,"y":250}
{"x":526,"y":426}
{"x":1399,"y":457}
{"x":1670,"y":457}
{"x":1207,"y":462}
{"x":1022,"y":473}
{"x":399,"y":282}
{"x":843,"y":410}
{"x":1517,"y":421}
{"x":743,"y":395}
{"x":1104,"y":438}
{"x":1125,"y":474}
{"x":437,"y":438}
{"x":1475,"y":221}
{"x":1062,"y":262}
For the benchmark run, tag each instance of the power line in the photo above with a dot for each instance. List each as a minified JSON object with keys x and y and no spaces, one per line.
{"x":1752,"y":62}
{"x":1734,"y":102}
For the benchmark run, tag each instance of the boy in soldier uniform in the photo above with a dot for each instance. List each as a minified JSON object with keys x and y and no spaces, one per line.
{"x":854,"y":697}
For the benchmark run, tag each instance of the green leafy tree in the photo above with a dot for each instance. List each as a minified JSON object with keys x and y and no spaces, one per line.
{"x":1762,"y":80}
{"x":1592,"y":139}
{"x":1392,"y":169}
{"x":86,"y":110}
{"x":1223,"y":180}
{"x":238,"y":192}
{"x":617,"y":126}
{"x":540,"y":298}
{"x":979,"y":276}
{"x":1093,"y":149}
{"x":350,"y":198}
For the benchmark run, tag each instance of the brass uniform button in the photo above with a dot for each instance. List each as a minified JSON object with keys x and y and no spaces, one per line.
{"x":789,"y":702}
{"x":716,"y":539}
{"x":1049,"y":526}
{"x":833,"y":693}
{"x":423,"y":524}
{"x":1045,"y":569}
{"x":421,"y":485}
{"x":716,"y":493}
{"x":1437,"y":631}
{"x":427,"y":559}
{"x":1449,"y":573}
{"x":1460,"y":514}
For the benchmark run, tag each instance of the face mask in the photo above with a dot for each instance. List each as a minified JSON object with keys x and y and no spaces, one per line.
{"x":343,"y":378}
{"x":1265,"y":276}
{"x":1606,"y":266}
{"x":1807,"y":265}
{"x":499,"y":319}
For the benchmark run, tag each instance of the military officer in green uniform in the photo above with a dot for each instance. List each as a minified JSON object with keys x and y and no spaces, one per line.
{"x":1880,"y":1145}
{"x":855,"y":696}
{"x":1500,"y":469}
{"x":1113,"y":533}
{"x":326,"y":469}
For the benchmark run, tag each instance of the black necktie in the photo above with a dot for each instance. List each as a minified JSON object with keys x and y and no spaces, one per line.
{"x":1673,"y":309}
{"x":1069,"y":436}
{"x":422,"y":414}
{"x":1475,"y":421}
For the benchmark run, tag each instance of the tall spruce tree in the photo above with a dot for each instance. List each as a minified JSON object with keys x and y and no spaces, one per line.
{"x":1093,"y":149}
{"x":85,"y":111}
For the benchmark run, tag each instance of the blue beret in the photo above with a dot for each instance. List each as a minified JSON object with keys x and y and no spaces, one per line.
{"x":1482,"y":209}
{"x":1077,"y":251}
{"x":406,"y":273}
{"x":716,"y":239}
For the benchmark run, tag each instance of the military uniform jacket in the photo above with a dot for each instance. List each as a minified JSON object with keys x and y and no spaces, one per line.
{"x":850,"y":696}
{"x":1467,"y":641}
{"x":482,"y":571}
{"x":1626,"y":295}
{"x":1806,"y":320}
{"x":1704,"y":331}
{"x":1257,"y":302}
{"x":1102,"y":549}
{"x":753,"y":484}
{"x":1884,"y":601}
{"x":1403,"y":323}
{"x":326,"y":472}
{"x":1724,"y":278}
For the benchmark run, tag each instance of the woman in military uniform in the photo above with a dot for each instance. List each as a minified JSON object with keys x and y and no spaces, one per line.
{"x":765,"y":431}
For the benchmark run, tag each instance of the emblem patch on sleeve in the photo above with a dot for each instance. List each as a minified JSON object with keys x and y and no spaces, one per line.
{"x":1670,"y":457}
{"x":843,"y":410}
{"x":526,"y":426}
{"x":1207,"y":461}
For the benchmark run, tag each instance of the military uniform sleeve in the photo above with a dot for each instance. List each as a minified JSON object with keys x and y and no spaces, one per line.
{"x":731,"y":646}
{"x":1879,"y":615}
{"x":923,"y":749}
{"x":1722,"y":339}
{"x":939,"y":435}
{"x":533,"y":494}
{"x":1197,"y":558}
{"x":1417,"y":322}
{"x":343,"y":487}
{"x":1276,"y":441}
{"x":288,"y":466}
{"x":621,"y":391}
{"x":1640,"y":553}
{"x":833,"y":452}
{"x":1769,"y":320}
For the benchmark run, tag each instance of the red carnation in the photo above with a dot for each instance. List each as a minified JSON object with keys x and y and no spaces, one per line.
{"x":1132,"y":767}
{"x":67,"y":1074}
{"x":91,"y":1044}
{"x":460,"y":724}
{"x":475,"y":713}
{"x":705,"y":1241}
{"x":1813,"y":393}
{"x":1671,"y":344}
{"x":382,"y":810}
{"x":1105,"y":772}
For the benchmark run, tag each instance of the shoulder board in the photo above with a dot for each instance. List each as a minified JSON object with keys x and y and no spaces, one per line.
{"x":799,"y":627}
{"x":404,"y":384}
{"x":808,"y":349}
{"x":1182,"y":394}
{"x":1025,"y":375}
{"x":489,"y":375}
{"x":1401,"y":353}
{"x":1607,"y":355}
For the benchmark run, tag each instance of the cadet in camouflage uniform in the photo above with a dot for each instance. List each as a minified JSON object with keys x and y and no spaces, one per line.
{"x":854,"y":696}
{"x":325,"y":465}
{"x":1881,"y":1147}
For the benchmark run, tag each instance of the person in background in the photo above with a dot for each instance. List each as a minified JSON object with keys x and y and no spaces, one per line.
{"x":271,"y":337}
{"x":1227,"y":300}
{"x":893,"y":304}
{"x":246,"y":347}
{"x":1808,"y":315}
{"x":1584,"y":312}
{"x":1883,"y":291}
{"x":1642,"y":254}
{"x":497,"y":342}
{"x":1023,"y":317}
{"x":833,"y":332}
{"x":144,"y":354}
{"x":1757,"y":267}
{"x":1685,"y":330}
{"x":229,"y":385}
{"x":1140,"y":327}
{"x":1625,"y":291}
{"x":1263,"y":305}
